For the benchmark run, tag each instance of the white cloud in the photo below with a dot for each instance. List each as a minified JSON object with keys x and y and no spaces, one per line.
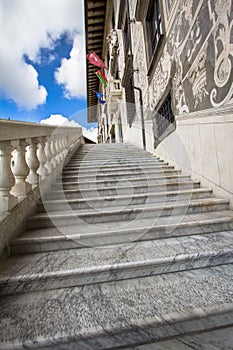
{"x":58,"y":119}
{"x":25,"y":27}
{"x":91,"y":133}
{"x":72,"y":73}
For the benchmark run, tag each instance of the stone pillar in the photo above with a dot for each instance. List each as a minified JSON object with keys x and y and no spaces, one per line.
{"x":33,"y":162}
{"x":7,"y":180}
{"x":42,"y":170}
{"x":20,"y":170}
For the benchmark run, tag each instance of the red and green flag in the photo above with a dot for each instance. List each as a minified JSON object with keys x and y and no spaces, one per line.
{"x":102,"y":77}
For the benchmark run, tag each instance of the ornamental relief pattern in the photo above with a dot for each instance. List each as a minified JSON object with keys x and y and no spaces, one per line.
{"x":223,"y":49}
{"x":169,"y":4}
{"x":197,"y":57}
{"x":160,"y":79}
{"x":140,"y":64}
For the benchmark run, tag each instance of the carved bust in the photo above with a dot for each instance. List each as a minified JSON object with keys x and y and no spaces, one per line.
{"x":112,"y":40}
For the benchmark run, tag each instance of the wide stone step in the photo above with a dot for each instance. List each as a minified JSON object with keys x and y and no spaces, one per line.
{"x":120,"y":313}
{"x":115,"y":191}
{"x":129,"y":174}
{"x":118,"y":214}
{"x":144,"y":180}
{"x":115,"y":170}
{"x":97,"y":150}
{"x":217,"y":339}
{"x":124,"y":200}
{"x":116,"y":162}
{"x":75,"y":267}
{"x":80,"y":236}
{"x":112,"y":154}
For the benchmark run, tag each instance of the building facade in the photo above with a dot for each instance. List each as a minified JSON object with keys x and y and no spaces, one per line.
{"x":170,"y":83}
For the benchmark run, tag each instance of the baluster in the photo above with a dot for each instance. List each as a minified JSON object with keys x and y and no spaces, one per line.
{"x":58,"y":148}
{"x":20,"y":170}
{"x":53,"y":152}
{"x":7,"y":180}
{"x":33,"y":162}
{"x":42,"y":171}
{"x":49,"y":155}
{"x":64,"y":146}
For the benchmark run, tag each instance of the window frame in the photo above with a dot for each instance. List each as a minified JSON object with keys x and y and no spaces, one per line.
{"x":153,"y":24}
{"x":143,"y":9}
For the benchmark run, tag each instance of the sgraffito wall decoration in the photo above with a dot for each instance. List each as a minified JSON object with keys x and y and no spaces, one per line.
{"x":169,"y":4}
{"x":197,"y":58}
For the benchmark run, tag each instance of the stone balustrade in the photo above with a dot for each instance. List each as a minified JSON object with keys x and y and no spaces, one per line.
{"x":31,"y":156}
{"x":28,"y":152}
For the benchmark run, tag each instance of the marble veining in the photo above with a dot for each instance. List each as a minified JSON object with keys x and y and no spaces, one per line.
{"x":221,"y":339}
{"x":120,"y":276}
{"x":136,"y":304}
{"x":92,"y":265}
{"x":139,"y":253}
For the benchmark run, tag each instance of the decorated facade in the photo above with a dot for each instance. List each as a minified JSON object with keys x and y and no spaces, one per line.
{"x":170,"y":64}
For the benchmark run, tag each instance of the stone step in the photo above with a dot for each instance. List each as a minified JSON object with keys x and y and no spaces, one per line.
{"x":218,"y":339}
{"x":108,"y":160}
{"x":104,"y":150}
{"x":124,"y":174}
{"x":117,"y":214}
{"x":115,"y":166}
{"x":120,"y":313}
{"x":115,"y":191}
{"x":114,"y":170}
{"x":76,"y":267}
{"x":112,"y":153}
{"x":67,"y":237}
{"x":149,"y":181}
{"x":124,"y":200}
{"x":116,"y":162}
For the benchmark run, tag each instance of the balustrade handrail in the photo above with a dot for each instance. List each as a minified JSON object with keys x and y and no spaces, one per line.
{"x":15,"y":130}
{"x":29,"y":152}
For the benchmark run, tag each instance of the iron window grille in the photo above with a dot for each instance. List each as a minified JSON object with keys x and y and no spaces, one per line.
{"x":164,"y":116}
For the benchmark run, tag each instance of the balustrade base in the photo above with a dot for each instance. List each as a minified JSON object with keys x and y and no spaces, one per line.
{"x":7,"y":203}
{"x":21,"y":189}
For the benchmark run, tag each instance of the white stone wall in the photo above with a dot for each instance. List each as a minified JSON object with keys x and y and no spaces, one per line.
{"x":202,"y":145}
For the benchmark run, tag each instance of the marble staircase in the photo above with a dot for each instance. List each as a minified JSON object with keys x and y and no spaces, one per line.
{"x":125,"y":252}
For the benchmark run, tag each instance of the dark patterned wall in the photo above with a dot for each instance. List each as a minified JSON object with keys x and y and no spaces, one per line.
{"x":198,"y":57}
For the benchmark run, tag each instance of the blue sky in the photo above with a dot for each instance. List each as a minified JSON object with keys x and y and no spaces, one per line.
{"x":42,"y":61}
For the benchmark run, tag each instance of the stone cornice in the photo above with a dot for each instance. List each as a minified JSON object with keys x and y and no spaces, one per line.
{"x":212,"y":112}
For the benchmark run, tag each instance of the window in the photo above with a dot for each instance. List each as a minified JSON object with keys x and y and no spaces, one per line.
{"x":126,"y":36}
{"x":128,"y":84}
{"x":153,"y":26}
{"x":164,"y":122}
